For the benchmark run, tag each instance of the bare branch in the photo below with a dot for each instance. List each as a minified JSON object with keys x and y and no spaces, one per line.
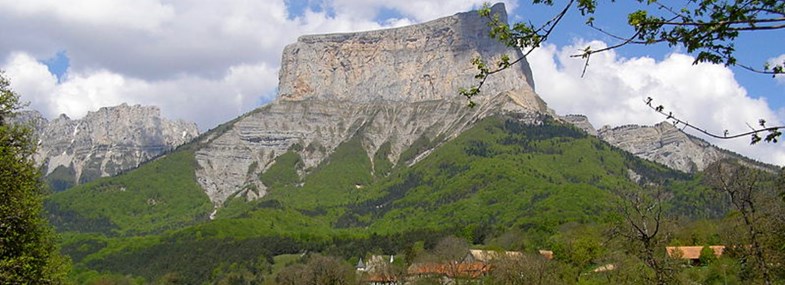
{"x":772,"y":136}
{"x":750,"y":23}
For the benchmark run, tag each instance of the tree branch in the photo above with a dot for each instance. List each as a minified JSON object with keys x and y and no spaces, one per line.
{"x":772,"y":136}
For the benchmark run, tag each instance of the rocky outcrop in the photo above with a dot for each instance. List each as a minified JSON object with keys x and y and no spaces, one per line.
{"x":103,"y":143}
{"x":665,"y":144}
{"x":581,"y":122}
{"x":392,"y":87}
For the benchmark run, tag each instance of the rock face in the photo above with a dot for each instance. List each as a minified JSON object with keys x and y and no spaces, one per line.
{"x":665,"y":144}
{"x":391,"y":87}
{"x":581,"y":122}
{"x":103,"y":143}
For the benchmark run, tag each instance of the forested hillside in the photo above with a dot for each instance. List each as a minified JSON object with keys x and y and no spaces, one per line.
{"x":540,"y":185}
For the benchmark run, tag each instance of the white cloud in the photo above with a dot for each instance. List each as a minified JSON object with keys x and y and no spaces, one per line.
{"x":613,"y":91}
{"x":208,"y":102}
{"x":28,"y":76}
{"x":140,"y":14}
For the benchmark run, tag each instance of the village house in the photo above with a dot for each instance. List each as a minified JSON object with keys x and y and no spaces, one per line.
{"x":447,"y":273}
{"x":485,"y":256}
{"x":377,"y":270}
{"x":692,"y":253}
{"x":476,"y":264}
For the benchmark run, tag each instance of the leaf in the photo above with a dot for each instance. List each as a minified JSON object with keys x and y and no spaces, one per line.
{"x":755,"y":139}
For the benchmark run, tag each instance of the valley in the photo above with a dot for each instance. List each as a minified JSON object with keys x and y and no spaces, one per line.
{"x":363,"y":155}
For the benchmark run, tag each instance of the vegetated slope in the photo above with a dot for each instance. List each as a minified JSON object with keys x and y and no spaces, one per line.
{"x":503,"y":173}
{"x":158,"y":196}
{"x":498,"y":175}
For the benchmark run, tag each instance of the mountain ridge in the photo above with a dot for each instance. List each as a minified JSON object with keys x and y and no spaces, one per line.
{"x":104,"y":142}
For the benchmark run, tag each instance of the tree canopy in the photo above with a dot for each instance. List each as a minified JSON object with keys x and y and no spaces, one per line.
{"x":28,"y":254}
{"x":707,"y":28}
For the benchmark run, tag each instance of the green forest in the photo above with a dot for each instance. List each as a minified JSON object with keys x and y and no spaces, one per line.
{"x":503,"y":185}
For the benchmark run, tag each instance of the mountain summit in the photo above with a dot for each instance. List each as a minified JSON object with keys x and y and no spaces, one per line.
{"x":388,"y":89}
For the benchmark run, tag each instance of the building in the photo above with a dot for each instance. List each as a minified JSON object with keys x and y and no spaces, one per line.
{"x":692,"y":253}
{"x":447,"y":273}
{"x":485,"y":256}
{"x":377,"y":270}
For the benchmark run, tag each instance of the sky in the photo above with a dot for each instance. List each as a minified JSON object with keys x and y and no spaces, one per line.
{"x":211,"y":61}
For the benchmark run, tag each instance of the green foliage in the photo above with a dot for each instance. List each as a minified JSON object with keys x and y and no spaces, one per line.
{"x":548,"y":175}
{"x":284,"y":171}
{"x":318,"y":270}
{"x":160,"y":196}
{"x":381,"y":161}
{"x":580,"y":246}
{"x":550,"y":184}
{"x":61,"y":178}
{"x":194,"y":261}
{"x":721,"y":271}
{"x":338,"y":180}
{"x":28,"y":254}
{"x":707,"y":255}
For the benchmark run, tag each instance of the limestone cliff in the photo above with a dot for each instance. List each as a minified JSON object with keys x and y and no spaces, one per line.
{"x":581,"y":122}
{"x":668,"y":145}
{"x":390,"y":86}
{"x":103,"y":143}
{"x":665,"y":144}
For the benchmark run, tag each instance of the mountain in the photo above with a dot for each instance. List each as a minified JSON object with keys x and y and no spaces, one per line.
{"x":665,"y":144}
{"x":105,"y":142}
{"x":368,"y":148}
{"x":389,"y":89}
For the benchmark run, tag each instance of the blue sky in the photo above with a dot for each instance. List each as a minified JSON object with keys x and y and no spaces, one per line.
{"x":210,"y":61}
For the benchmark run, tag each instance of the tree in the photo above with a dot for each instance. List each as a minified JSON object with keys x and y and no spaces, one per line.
{"x":643,"y":226}
{"x":706,"y":28}
{"x":579,"y":246}
{"x":318,"y":270}
{"x":748,"y":194}
{"x":448,"y":249}
{"x":524,"y":269}
{"x":28,"y":254}
{"x":707,"y":255}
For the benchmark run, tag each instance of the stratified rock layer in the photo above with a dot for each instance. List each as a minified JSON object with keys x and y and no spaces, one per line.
{"x":105,"y":142}
{"x":390,"y":86}
{"x":665,"y":144}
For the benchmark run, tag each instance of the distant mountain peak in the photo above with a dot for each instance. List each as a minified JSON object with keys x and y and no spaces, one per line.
{"x":104,"y":142}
